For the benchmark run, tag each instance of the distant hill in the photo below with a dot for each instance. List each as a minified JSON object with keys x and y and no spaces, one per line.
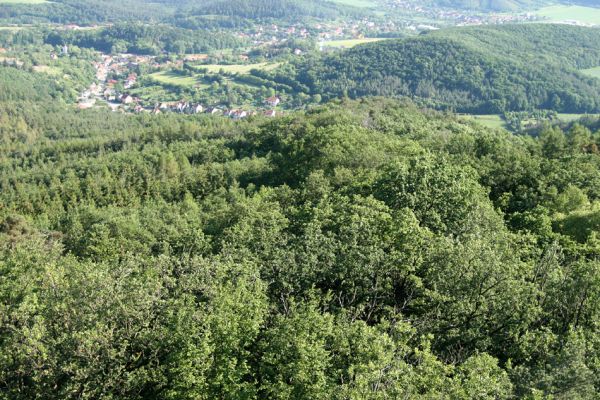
{"x":482,"y":70}
{"x":100,"y":11}
{"x":259,"y":9}
{"x":506,"y":5}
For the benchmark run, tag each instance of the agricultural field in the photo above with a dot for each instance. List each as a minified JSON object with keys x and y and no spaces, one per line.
{"x":172,"y":78}
{"x":491,"y":120}
{"x":238,"y":68}
{"x":47,"y":70}
{"x":347,"y":44}
{"x":587,"y":15}
{"x":496,"y":121}
{"x":357,"y":3}
{"x":593,"y":72}
{"x":574,"y":117}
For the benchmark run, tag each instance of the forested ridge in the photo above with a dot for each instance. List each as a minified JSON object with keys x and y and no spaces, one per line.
{"x":102,"y":11}
{"x":359,"y":250}
{"x":478,"y":70}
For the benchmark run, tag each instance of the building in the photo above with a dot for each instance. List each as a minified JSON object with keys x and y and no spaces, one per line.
{"x":126,"y":99}
{"x":212,"y":110}
{"x":273,"y":101}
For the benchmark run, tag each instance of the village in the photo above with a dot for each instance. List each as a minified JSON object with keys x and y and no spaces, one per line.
{"x":118,"y":76}
{"x":455,"y":17}
{"x":115,"y":78}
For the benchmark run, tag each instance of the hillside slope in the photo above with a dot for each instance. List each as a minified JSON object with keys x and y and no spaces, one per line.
{"x":102,"y":11}
{"x":482,"y":70}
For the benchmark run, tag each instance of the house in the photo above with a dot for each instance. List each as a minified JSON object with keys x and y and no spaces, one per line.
{"x":138,"y":109}
{"x":298,"y":52}
{"x":130,"y":81}
{"x":237,"y":114}
{"x":86,"y":104}
{"x":156,"y":111}
{"x":53,"y":56}
{"x":212,"y":110}
{"x":271,"y":113}
{"x":126,"y":99}
{"x":273,"y":101}
{"x":181,"y":106}
{"x":108,"y":93}
{"x":65,"y":50}
{"x":197,"y":109}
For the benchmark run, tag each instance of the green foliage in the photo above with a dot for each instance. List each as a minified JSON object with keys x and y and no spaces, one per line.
{"x":360,"y":250}
{"x":481,"y":70}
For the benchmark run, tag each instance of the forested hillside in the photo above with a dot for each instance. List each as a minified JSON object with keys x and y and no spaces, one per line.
{"x":478,"y":70}
{"x":102,"y":11}
{"x":271,"y":9}
{"x":82,"y":12}
{"x":144,"y":39}
{"x":359,"y":250}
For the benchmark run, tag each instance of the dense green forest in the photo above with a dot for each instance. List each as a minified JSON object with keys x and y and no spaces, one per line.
{"x":358,"y":250}
{"x":88,"y":12}
{"x":84,"y":12}
{"x":477,"y":70}
{"x":140,"y":38}
{"x":261,"y":9}
{"x":364,"y":243}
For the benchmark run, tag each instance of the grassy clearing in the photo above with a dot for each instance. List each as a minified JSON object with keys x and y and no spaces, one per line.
{"x":496,"y":121}
{"x":491,"y":121}
{"x":47,"y":70}
{"x":357,"y":3}
{"x":593,"y":72}
{"x":350,"y":42}
{"x":238,"y":68}
{"x":588,"y":15}
{"x":171,"y":78}
{"x":574,"y":117}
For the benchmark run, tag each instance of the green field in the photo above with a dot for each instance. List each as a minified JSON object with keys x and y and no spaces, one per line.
{"x":171,"y":78}
{"x":350,"y":42}
{"x":357,"y":3}
{"x":573,"y":117}
{"x":593,"y":72}
{"x":238,"y":68}
{"x":496,"y":121}
{"x":491,"y":121}
{"x":588,"y":15}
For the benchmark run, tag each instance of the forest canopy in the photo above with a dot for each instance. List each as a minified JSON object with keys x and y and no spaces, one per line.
{"x":482,"y":70}
{"x":358,"y":250}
